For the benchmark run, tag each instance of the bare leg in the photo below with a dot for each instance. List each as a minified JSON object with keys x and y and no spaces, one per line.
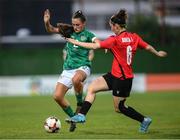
{"x":62,"y":102}
{"x":77,"y":80}
{"x":59,"y":94}
{"x":97,"y":85}
{"x":116,"y":101}
{"x":120,"y":107}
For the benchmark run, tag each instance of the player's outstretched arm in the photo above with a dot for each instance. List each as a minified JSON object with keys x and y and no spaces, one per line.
{"x":48,"y":26}
{"x":84,"y":44}
{"x":154,"y":51}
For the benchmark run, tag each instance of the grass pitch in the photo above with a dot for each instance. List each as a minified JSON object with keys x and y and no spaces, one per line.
{"x":23,"y":118}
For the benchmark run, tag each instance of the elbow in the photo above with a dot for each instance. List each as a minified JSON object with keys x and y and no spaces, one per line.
{"x":51,"y":31}
{"x":48,"y":31}
{"x":148,"y":48}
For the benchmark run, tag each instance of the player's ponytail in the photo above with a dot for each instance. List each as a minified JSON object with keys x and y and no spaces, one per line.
{"x":79,"y":14}
{"x":120,"y":18}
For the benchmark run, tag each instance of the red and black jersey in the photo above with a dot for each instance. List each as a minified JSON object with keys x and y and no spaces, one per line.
{"x":123,"y":47}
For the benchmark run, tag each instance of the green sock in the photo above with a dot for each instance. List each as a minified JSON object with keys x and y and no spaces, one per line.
{"x":68,"y":110}
{"x":79,"y":99}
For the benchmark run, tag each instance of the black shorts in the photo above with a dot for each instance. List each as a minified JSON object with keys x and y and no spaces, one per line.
{"x":120,"y":87}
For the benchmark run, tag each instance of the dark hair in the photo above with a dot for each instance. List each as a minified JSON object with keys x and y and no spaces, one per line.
{"x":120,"y":18}
{"x":79,"y":14}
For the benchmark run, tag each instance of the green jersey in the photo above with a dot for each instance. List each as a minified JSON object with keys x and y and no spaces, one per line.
{"x":78,"y":56}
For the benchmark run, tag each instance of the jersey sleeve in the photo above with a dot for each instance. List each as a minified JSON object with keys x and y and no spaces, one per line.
{"x":91,"y":36}
{"x":141,"y":43}
{"x":108,"y":43}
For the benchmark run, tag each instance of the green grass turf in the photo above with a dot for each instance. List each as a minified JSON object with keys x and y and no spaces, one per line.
{"x":23,"y":117}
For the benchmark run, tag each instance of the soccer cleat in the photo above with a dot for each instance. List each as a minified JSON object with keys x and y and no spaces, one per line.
{"x":145,"y":124}
{"x":72,"y":127}
{"x":79,"y":118}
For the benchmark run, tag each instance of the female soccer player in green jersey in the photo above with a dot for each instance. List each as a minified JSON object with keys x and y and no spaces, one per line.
{"x":77,"y":65}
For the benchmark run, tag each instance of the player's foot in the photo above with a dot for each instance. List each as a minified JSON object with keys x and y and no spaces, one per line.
{"x":72,"y":127}
{"x":79,"y":118}
{"x":145,"y":124}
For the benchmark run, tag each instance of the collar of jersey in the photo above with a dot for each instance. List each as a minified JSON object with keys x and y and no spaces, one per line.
{"x":80,"y":32}
{"x":122,"y":32}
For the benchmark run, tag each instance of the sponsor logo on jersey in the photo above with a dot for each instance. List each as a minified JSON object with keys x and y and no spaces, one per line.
{"x":126,"y":39}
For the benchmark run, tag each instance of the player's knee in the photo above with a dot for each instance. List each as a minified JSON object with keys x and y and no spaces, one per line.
{"x":76,"y":81}
{"x":91,"y":90}
{"x":56,"y":97}
{"x":122,"y":107}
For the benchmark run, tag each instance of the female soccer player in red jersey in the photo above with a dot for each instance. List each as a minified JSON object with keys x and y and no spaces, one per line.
{"x":123,"y":46}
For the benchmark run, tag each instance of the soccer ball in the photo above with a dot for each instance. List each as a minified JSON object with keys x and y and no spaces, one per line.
{"x":52,"y":125}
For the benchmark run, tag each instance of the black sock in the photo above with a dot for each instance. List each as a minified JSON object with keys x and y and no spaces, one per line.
{"x":85,"y":107}
{"x":132,"y":113}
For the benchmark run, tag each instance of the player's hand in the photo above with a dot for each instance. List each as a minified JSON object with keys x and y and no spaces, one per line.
{"x":162,"y":53}
{"x":46,"y":15}
{"x":71,"y":40}
{"x":106,"y":50}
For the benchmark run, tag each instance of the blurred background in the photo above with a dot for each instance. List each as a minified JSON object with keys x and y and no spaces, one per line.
{"x":31,"y":59}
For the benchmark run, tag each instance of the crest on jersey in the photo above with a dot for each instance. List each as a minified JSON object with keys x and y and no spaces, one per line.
{"x":83,"y":38}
